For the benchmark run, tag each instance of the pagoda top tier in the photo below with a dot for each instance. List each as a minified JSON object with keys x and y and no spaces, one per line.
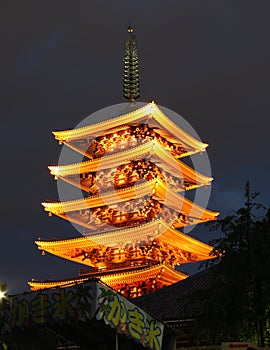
{"x":165,"y":131}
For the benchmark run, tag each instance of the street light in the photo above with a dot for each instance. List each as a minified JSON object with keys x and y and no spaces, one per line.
{"x":2,"y":294}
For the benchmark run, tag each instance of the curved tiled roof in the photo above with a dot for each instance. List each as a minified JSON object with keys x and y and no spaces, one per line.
{"x":179,"y":301}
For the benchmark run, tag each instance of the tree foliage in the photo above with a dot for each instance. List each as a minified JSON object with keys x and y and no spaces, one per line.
{"x":237,"y":306}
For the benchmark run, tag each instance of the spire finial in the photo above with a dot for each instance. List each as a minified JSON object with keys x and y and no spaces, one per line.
{"x":131,"y":85}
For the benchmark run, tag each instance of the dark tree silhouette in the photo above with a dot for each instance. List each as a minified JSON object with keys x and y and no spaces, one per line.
{"x":237,"y":306}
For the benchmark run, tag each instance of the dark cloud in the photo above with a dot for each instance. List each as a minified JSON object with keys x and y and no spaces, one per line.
{"x":61,"y":61}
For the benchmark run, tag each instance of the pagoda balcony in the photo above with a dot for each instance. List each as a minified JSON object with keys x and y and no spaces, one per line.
{"x":132,"y":206}
{"x":155,"y":242}
{"x":130,"y":282}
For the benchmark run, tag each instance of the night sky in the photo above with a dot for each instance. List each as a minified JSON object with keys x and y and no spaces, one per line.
{"x":62,"y":60}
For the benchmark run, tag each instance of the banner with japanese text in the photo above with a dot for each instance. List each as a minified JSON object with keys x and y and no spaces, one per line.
{"x":82,"y":302}
{"x":61,"y":305}
{"x":127,"y":318}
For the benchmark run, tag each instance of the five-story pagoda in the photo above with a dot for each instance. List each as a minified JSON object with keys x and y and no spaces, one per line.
{"x":133,"y":207}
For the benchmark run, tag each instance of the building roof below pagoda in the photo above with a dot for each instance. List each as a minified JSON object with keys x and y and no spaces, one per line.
{"x":186,"y":298}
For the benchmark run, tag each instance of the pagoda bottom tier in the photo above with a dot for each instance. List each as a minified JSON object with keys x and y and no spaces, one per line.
{"x":130,"y":282}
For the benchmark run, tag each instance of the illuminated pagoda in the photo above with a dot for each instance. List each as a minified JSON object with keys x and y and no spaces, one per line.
{"x":134,"y":205}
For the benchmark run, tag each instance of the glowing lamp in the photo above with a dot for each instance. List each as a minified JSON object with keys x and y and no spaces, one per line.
{"x":2,"y":294}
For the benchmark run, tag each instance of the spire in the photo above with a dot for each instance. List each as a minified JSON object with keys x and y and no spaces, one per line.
{"x":131,"y":85}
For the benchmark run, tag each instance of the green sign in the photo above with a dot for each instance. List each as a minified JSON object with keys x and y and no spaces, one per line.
{"x":127,"y":318}
{"x":49,"y":306}
{"x":82,"y":302}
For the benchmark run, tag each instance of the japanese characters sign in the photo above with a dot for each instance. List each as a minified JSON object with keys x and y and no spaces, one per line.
{"x":49,"y":306}
{"x":82,"y":302}
{"x":127,"y":318}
